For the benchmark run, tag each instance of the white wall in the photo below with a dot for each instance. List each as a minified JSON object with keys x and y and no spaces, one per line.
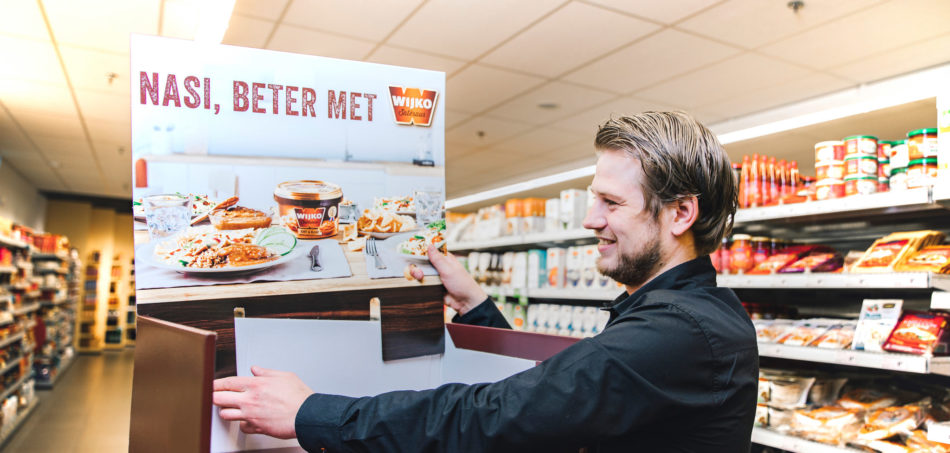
{"x":19,"y":200}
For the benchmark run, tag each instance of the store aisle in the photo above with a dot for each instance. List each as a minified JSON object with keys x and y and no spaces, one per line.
{"x":88,"y":411}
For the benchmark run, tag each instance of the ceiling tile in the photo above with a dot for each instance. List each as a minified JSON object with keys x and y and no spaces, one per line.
{"x":180,"y":19}
{"x":665,"y":12}
{"x":413,"y":59}
{"x":864,"y":33}
{"x":13,"y":141}
{"x":264,"y":9}
{"x":909,"y":58}
{"x":484,"y":131}
{"x":750,"y":24}
{"x":91,"y":69}
{"x":722,"y":81}
{"x":92,"y":23}
{"x":367,"y":19}
{"x":36,"y":123}
{"x":247,"y":31}
{"x":56,"y":148}
{"x":797,"y":89}
{"x":104,"y":106}
{"x":588,"y":121}
{"x":542,"y":141}
{"x":468,"y":29}
{"x":28,"y":59}
{"x":36,"y":96}
{"x":36,"y":172}
{"x":479,"y":87}
{"x":290,"y":38}
{"x":452,"y":118}
{"x":656,"y":58}
{"x":578,"y":31}
{"x":109,"y":131}
{"x":569,"y":98}
{"x":22,"y":18}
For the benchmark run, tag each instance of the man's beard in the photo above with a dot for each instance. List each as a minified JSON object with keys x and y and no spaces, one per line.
{"x":634,"y":270}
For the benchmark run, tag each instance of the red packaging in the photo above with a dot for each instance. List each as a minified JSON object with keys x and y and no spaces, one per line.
{"x":919,"y":332}
{"x":785,"y":257}
{"x":815,"y":262}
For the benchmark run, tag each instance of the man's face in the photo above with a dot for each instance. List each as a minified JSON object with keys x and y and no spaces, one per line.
{"x":629,"y":236}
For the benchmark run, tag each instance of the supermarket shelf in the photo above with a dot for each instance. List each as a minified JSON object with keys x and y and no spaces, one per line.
{"x":7,"y":269}
{"x":6,"y":341}
{"x":8,"y":433}
{"x":51,"y":288}
{"x":941,"y":193}
{"x":524,"y":239}
{"x":48,"y":256}
{"x":15,"y":386}
{"x":54,"y":303}
{"x":13,"y":364}
{"x":41,"y":270}
{"x":8,"y":242}
{"x":764,"y":436}
{"x":63,"y":366}
{"x":576,"y":294}
{"x":902,"y":280}
{"x":854,"y":206}
{"x":883,"y":361}
{"x":26,"y":309}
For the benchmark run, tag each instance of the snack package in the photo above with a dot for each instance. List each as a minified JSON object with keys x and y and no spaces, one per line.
{"x":825,"y":390}
{"x":865,"y":399}
{"x":781,"y":419}
{"x":785,"y":257}
{"x":807,"y":331}
{"x":761,"y":415}
{"x":917,"y":442}
{"x":815,"y":262}
{"x":836,"y":337}
{"x":789,"y":392}
{"x":767,"y":331}
{"x":830,"y":424}
{"x":886,"y":446}
{"x":892,"y":249}
{"x":935,"y":258}
{"x":890,"y":421}
{"x":878,"y":317}
{"x":919,"y":332}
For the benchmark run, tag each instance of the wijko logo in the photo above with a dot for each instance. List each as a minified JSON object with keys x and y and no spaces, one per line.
{"x":413,"y":105}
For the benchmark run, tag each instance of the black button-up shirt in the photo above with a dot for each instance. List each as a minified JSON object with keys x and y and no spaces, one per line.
{"x":675,"y":370}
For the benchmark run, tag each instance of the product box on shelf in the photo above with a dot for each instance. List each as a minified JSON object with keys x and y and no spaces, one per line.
{"x":537,"y":269}
{"x":507,"y":267}
{"x":878,"y":317}
{"x":590,"y":273}
{"x":573,"y":208}
{"x":519,"y":270}
{"x":575,"y":267}
{"x":552,"y":214}
{"x":556,"y":263}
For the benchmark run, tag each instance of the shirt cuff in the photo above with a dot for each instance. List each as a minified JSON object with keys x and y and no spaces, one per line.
{"x":485,"y":314}
{"x":319,"y":421}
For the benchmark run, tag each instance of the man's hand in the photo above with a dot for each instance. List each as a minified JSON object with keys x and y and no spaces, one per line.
{"x":463,"y":293}
{"x":264,"y":404}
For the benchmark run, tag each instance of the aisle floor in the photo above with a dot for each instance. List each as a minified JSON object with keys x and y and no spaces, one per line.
{"x":86,"y":412}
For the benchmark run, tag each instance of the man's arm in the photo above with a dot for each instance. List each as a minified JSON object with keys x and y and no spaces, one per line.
{"x":463,"y":294}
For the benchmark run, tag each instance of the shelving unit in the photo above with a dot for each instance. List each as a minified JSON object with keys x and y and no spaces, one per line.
{"x":776,"y":439}
{"x":58,"y":313}
{"x":89,"y":341}
{"x":131,"y":314}
{"x":24,"y":413}
{"x":116,"y":314}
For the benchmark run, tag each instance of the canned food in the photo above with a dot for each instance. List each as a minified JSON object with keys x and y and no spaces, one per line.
{"x":828,"y":189}
{"x":883,"y":184}
{"x":834,"y":169}
{"x":860,"y":145}
{"x":883,"y":167}
{"x":921,"y":173}
{"x":860,"y":185}
{"x":899,"y":155}
{"x":884,"y":149}
{"x":922,"y":144}
{"x":898,"y":180}
{"x":309,"y":208}
{"x":861,"y":166}
{"x":828,"y":151}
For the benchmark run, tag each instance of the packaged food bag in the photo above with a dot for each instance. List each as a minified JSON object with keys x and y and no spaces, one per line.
{"x":878,"y":317}
{"x":892,"y":249}
{"x":935,"y":258}
{"x":919,"y":332}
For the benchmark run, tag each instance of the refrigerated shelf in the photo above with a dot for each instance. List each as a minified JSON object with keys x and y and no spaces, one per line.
{"x":907,"y":363}
{"x":765,"y":436}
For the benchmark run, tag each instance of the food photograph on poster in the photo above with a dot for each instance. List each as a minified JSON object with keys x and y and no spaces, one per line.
{"x":259,"y":166}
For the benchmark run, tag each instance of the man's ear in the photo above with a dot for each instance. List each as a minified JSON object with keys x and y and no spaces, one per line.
{"x":683,"y":214}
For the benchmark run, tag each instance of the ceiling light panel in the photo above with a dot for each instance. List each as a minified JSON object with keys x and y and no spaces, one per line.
{"x":479,"y":87}
{"x":468,"y":29}
{"x":656,"y":58}
{"x":578,"y":31}
{"x":751,"y":24}
{"x":567,"y":97}
{"x":665,"y":12}
{"x":368,"y":19}
{"x":290,"y":38}
{"x":101,"y":24}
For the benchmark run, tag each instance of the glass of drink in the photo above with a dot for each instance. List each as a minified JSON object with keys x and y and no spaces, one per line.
{"x":166,"y":215}
{"x":428,"y":206}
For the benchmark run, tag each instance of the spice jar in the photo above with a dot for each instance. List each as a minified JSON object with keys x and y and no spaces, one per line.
{"x":741,"y":253}
{"x":922,"y":144}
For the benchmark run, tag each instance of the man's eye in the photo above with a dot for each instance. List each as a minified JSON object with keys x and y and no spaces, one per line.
{"x":610,"y":202}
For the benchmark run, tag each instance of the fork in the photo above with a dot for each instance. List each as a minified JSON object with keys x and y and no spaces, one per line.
{"x":371,"y":251}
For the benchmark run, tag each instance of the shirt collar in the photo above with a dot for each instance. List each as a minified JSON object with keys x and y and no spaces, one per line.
{"x":693,"y":273}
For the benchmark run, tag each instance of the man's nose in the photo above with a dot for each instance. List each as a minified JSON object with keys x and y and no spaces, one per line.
{"x":595,"y":220}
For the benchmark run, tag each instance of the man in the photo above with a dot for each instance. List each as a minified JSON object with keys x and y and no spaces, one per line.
{"x":675,"y":369}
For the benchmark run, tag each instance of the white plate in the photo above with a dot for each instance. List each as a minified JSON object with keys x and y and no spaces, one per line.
{"x":149,"y":252}
{"x":385,"y":235}
{"x":422,"y":259}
